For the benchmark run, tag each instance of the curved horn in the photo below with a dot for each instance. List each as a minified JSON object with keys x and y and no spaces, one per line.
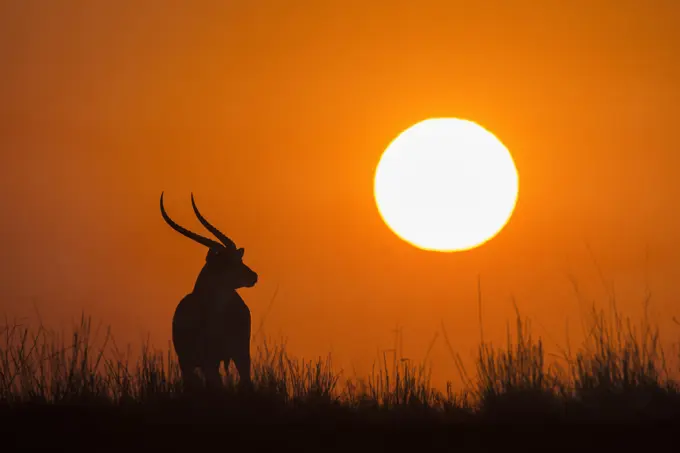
{"x":190,"y":234}
{"x":218,"y":234}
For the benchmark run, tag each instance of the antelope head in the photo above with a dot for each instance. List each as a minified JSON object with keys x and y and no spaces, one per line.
{"x":223,"y":257}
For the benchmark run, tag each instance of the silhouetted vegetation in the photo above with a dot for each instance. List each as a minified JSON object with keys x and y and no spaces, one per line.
{"x":618,"y":374}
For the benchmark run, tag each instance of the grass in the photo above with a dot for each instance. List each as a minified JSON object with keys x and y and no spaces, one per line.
{"x":619,"y":373}
{"x":59,"y":388}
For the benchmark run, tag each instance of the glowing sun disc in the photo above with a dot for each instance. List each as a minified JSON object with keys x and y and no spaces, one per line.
{"x":446,"y":184}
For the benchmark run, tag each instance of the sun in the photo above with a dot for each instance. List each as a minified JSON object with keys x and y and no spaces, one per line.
{"x":446,"y":184}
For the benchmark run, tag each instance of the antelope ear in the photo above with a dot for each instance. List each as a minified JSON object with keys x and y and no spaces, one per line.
{"x":240,"y":252}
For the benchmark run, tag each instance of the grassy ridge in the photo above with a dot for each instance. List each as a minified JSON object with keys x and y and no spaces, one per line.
{"x":618,"y":373}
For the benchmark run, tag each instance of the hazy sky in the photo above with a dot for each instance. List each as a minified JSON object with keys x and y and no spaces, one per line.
{"x":275,"y":113}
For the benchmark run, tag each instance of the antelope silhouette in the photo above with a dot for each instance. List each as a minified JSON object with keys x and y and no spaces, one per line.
{"x":212,"y":323}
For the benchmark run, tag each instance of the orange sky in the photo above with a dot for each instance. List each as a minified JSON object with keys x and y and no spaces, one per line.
{"x":275,"y":115}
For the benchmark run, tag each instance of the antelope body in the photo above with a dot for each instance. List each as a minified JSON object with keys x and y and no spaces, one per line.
{"x":212,"y":323}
